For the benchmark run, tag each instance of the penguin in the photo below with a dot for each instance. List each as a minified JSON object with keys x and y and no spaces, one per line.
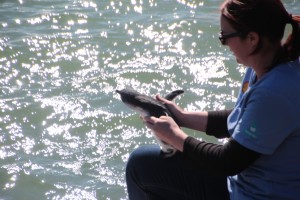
{"x":149,"y":106}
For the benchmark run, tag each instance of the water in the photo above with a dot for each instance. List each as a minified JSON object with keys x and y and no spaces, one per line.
{"x":64,"y":132}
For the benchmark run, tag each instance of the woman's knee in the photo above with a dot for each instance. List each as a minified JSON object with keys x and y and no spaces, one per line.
{"x":139,"y":165}
{"x":142,"y":155}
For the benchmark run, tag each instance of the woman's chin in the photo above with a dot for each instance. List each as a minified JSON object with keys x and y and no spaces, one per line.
{"x":238,"y":61}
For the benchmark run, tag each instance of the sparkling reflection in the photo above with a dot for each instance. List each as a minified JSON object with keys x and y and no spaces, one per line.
{"x":64,"y":132}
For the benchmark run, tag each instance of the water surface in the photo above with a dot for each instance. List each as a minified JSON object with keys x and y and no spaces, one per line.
{"x":64,"y":134}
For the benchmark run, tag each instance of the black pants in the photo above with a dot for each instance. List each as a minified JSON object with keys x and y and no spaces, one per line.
{"x":151,"y":175}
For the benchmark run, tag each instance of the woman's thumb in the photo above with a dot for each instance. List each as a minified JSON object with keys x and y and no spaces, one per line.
{"x":159,"y":98}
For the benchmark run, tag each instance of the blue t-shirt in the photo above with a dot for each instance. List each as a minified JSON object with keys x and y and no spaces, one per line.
{"x":266,"y":119}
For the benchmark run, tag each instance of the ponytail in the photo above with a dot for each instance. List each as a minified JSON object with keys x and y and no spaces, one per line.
{"x":292,"y":44}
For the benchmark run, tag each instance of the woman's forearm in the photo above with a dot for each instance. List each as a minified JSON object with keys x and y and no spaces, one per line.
{"x":214,"y":123}
{"x":194,"y":120}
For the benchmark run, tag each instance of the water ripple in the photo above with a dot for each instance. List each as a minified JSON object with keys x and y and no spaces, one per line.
{"x":64,"y":132}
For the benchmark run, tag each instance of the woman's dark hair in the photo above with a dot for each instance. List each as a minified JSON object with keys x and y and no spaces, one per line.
{"x":267,"y":18}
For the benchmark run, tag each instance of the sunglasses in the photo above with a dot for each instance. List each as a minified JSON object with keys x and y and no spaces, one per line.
{"x":223,"y":37}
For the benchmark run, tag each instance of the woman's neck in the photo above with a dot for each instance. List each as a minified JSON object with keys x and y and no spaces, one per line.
{"x":263,"y":61}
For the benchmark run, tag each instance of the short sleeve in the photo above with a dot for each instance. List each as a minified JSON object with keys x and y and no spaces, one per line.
{"x":264,"y":121}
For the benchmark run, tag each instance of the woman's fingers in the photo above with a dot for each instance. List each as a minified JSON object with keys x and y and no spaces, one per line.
{"x":159,"y":98}
{"x":149,"y":121}
{"x":153,"y":122}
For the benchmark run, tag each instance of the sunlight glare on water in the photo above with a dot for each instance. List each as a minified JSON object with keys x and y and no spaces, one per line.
{"x":65,"y":134}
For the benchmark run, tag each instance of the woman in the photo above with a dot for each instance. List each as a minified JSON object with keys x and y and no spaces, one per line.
{"x":261,"y":158}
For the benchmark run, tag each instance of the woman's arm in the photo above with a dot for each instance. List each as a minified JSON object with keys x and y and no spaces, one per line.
{"x":192,"y":120}
{"x":217,"y":123}
{"x":228,"y":159}
{"x":213,"y":122}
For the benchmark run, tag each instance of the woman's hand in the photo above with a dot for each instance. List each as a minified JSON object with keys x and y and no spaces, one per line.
{"x":166,"y":129}
{"x":176,"y":111}
{"x":196,"y":120}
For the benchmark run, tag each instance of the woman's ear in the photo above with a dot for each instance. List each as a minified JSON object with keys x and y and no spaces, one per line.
{"x":253,"y":38}
{"x":255,"y":42}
